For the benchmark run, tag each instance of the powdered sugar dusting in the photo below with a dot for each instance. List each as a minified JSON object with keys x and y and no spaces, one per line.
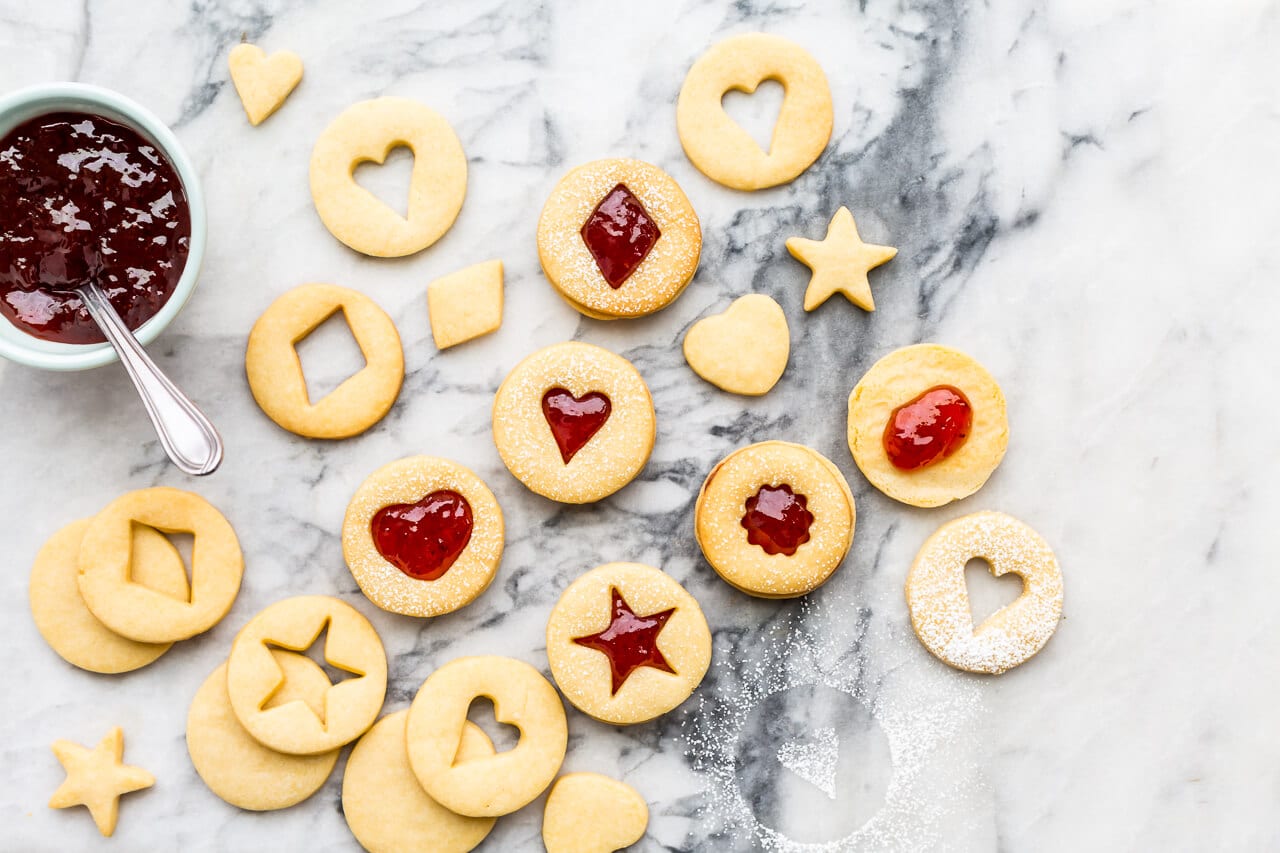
{"x":814,"y":760}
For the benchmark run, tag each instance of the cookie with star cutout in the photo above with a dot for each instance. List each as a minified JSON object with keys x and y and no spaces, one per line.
{"x":840,"y":263}
{"x":627,"y":643}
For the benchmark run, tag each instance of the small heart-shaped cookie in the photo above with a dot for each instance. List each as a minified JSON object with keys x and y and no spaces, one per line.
{"x":745,"y":349}
{"x":590,"y":813}
{"x":263,"y":82}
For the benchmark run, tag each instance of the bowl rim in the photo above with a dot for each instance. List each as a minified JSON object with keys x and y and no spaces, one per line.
{"x":51,"y":355}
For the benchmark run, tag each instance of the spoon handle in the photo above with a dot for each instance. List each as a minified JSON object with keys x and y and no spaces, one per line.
{"x":185,"y":433}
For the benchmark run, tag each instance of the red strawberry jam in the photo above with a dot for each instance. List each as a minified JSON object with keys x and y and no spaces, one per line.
{"x":424,"y":539}
{"x":619,"y":234}
{"x":573,"y":420}
{"x":630,"y":641}
{"x":777,"y":520}
{"x":928,"y":428}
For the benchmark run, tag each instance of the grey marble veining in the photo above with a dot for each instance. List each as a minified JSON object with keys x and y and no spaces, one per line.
{"x":1082,"y":195}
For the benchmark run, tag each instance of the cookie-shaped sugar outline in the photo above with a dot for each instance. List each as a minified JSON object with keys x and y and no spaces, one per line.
{"x":939,"y":598}
{"x":584,"y":674}
{"x":900,"y":377}
{"x":572,"y":270}
{"x":407,"y":481}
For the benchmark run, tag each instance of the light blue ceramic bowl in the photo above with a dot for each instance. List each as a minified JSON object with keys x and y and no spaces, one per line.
{"x":17,"y":107}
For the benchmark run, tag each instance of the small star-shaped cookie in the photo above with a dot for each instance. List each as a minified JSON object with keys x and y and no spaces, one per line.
{"x":840,"y":262}
{"x":96,"y":778}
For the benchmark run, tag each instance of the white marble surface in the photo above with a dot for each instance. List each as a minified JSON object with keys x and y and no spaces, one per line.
{"x":1084,"y":197}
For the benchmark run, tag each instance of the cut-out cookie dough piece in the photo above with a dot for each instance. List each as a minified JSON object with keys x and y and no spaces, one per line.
{"x":263,"y":82}
{"x":720,"y":148}
{"x":904,"y":377}
{"x":574,"y":422}
{"x":254,"y":676}
{"x":939,"y":597}
{"x":423,"y":536}
{"x":592,"y":813}
{"x":275,"y":372}
{"x":236,"y":767}
{"x":139,"y":612}
{"x":366,"y":132}
{"x":498,"y":785}
{"x":775,"y":519}
{"x":67,"y":624}
{"x":386,"y":808}
{"x":618,"y":238}
{"x":465,"y":304}
{"x":745,"y":349}
{"x":97,"y":778}
{"x":627,"y":643}
{"x":840,"y":263}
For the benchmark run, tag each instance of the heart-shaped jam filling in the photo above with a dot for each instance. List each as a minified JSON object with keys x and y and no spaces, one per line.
{"x":619,"y":234}
{"x":777,"y":520}
{"x":573,"y":420}
{"x":928,"y":428}
{"x":424,"y":539}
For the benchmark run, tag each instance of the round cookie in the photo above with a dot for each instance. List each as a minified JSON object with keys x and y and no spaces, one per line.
{"x":627,"y":643}
{"x":939,"y":597}
{"x":487,"y":787}
{"x":367,"y":131}
{"x":65,"y":621}
{"x":591,"y":813}
{"x":351,"y":644}
{"x":147,"y":615}
{"x":720,"y":148}
{"x":236,"y":767}
{"x":385,"y":807}
{"x":900,"y":377}
{"x":423,"y":536}
{"x":618,"y":238}
{"x":775,"y":519}
{"x":275,"y":372}
{"x":574,"y":422}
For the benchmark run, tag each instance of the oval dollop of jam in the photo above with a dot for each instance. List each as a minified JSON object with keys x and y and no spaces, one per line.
{"x":777,"y":519}
{"x":928,"y":428}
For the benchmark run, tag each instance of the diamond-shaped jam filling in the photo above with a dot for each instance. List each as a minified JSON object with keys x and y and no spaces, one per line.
{"x":619,"y":234}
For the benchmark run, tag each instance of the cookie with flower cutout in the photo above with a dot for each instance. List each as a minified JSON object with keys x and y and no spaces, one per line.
{"x":938,"y":596}
{"x":775,"y":519}
{"x":927,"y":425}
{"x":423,"y":536}
{"x":627,"y":643}
{"x":574,"y":422}
{"x":618,"y":238}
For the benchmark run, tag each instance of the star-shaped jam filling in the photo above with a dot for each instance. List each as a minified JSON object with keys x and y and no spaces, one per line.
{"x":630,"y":641}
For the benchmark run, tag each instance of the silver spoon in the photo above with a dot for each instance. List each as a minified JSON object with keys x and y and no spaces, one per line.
{"x":185,"y":433}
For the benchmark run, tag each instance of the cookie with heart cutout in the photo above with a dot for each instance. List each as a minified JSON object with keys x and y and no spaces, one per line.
{"x":592,"y":813}
{"x":423,"y":536}
{"x":263,"y":82}
{"x":745,"y":349}
{"x":574,"y":422}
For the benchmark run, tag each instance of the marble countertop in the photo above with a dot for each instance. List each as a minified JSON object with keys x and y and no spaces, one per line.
{"x":1082,"y":196}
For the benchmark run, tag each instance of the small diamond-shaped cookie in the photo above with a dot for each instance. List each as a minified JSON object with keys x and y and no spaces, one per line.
{"x":466,"y":304}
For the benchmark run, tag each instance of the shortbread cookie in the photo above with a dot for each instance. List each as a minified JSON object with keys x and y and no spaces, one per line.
{"x":775,"y":519}
{"x":840,"y":263}
{"x":574,"y":422}
{"x":386,"y":808}
{"x":486,"y":787}
{"x":627,"y":643}
{"x":423,"y":536}
{"x":366,"y":132}
{"x":275,"y":372}
{"x":66,"y":623}
{"x":618,"y":238}
{"x":263,"y":82}
{"x":939,"y":597}
{"x":236,"y":767}
{"x":927,"y":425}
{"x":720,"y":148}
{"x":465,"y":304}
{"x":591,"y":813}
{"x":96,"y":778}
{"x":139,"y":612}
{"x":745,"y":349}
{"x":351,"y":644}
